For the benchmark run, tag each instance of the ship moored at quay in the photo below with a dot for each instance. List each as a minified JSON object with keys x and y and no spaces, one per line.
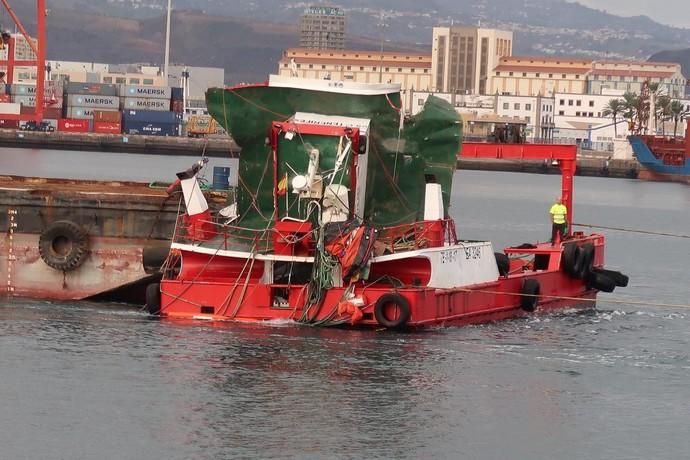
{"x":74,"y":240}
{"x":331,"y":228}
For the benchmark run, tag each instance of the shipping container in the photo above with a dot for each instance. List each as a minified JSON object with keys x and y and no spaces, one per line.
{"x":80,"y":113}
{"x":73,"y":126}
{"x":150,"y":92}
{"x":177,"y":106}
{"x":150,"y":129}
{"x":52,"y":112}
{"x":176,"y":94}
{"x":139,"y":103}
{"x":50,"y":88}
{"x":107,"y":115}
{"x":151,"y":116}
{"x":10,"y":108}
{"x":95,"y":101}
{"x":99,"y":89}
{"x":107,"y":127}
{"x":9,"y":124}
{"x":30,"y":101}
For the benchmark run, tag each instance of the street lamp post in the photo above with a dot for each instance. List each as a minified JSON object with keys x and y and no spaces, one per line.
{"x":382,"y":25}
{"x":167,"y":44}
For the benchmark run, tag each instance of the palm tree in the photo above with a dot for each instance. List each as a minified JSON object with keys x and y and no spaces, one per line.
{"x":631,"y":102}
{"x":678,"y":114}
{"x":614,"y":108}
{"x":663,"y":112}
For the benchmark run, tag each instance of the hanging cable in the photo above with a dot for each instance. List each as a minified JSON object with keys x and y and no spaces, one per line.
{"x":629,"y":230}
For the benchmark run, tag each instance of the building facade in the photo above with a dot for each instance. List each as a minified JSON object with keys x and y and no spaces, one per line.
{"x":534,"y":114}
{"x":412,"y":71}
{"x":630,"y":75}
{"x":323,"y":28}
{"x":532,"y":76}
{"x":463,"y":58}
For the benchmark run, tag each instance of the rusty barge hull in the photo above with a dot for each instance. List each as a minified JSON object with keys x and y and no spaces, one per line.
{"x":115,"y":221}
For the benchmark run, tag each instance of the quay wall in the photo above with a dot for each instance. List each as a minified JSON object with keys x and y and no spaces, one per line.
{"x":224,"y":147}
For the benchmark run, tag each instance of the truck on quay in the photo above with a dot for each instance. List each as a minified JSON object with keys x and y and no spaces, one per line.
{"x":201,"y":126}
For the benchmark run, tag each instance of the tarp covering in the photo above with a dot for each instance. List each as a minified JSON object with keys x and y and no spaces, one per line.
{"x":400,"y":162}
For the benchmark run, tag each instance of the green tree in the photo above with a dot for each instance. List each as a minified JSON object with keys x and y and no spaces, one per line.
{"x":631,"y":102}
{"x":613,"y":109}
{"x":678,"y":114}
{"x":663,"y":112}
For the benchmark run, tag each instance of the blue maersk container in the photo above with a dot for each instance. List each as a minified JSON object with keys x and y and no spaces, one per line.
{"x":150,"y":128}
{"x":151,"y":116}
{"x":176,"y":93}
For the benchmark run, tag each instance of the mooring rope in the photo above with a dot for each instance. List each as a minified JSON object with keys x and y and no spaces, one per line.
{"x":578,"y":299}
{"x":629,"y":230}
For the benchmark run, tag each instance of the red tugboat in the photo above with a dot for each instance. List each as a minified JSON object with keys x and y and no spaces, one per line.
{"x":341,"y":220}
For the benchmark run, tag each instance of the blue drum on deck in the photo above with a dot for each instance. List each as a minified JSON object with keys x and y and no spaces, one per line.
{"x":221,"y":177}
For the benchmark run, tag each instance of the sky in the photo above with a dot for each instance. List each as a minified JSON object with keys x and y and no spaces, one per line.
{"x":671,"y":12}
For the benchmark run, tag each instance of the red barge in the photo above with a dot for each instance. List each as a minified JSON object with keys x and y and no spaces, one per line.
{"x":342,"y":220}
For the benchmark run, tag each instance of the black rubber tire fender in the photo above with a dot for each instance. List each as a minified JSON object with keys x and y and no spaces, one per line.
{"x":529,"y":295}
{"x":600,"y":282}
{"x":153,"y":298}
{"x":403,"y":307}
{"x":569,"y":257}
{"x":153,"y":258}
{"x":64,"y":245}
{"x":584,"y":261}
{"x":619,"y":278}
{"x":503,"y":263}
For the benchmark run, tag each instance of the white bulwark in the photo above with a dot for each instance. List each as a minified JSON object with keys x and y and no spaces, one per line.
{"x":458,"y":265}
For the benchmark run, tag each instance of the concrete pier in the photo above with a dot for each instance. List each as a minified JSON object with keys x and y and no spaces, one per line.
{"x":589,"y":164}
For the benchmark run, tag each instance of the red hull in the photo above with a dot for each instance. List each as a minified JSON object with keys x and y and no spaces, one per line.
{"x":429,"y":307}
{"x":224,"y":294}
{"x":646,"y":174}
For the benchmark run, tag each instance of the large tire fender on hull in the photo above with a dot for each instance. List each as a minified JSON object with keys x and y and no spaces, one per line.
{"x":584,"y":261}
{"x":600,"y":282}
{"x":569,"y":257}
{"x":619,"y":278}
{"x":402,"y":306}
{"x":153,"y":298}
{"x":153,"y":258}
{"x":64,"y":245}
{"x":503,"y":263}
{"x":529,"y":297}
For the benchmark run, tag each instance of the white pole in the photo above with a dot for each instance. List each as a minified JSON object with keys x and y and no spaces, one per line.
{"x":167,"y":45}
{"x":185,"y":92}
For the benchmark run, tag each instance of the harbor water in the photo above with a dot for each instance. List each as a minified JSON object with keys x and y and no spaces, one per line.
{"x":82,"y":381}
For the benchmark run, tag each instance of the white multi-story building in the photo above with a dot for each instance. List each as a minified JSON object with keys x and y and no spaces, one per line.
{"x":581,"y":119}
{"x":630,"y":75}
{"x":463,"y":58}
{"x":536,"y":111}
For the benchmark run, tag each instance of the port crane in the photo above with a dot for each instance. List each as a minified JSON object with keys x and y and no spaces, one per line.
{"x":39,"y":50}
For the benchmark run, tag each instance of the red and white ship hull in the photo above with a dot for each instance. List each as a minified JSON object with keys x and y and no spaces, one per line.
{"x":450,"y":285}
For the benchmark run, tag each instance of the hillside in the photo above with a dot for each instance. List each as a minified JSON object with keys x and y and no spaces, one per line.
{"x":246,"y":37}
{"x":681,"y":57}
{"x":248,"y":50}
{"x":541,"y":26}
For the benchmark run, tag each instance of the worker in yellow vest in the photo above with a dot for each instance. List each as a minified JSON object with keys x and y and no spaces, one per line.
{"x":558,"y":215}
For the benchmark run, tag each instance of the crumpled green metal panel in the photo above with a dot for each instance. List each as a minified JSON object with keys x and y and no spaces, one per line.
{"x":399,"y":164}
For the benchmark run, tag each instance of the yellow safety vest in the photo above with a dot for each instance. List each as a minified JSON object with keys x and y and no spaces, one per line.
{"x":558,"y":211}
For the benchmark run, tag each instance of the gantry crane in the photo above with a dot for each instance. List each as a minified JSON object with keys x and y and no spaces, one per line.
{"x":39,"y":49}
